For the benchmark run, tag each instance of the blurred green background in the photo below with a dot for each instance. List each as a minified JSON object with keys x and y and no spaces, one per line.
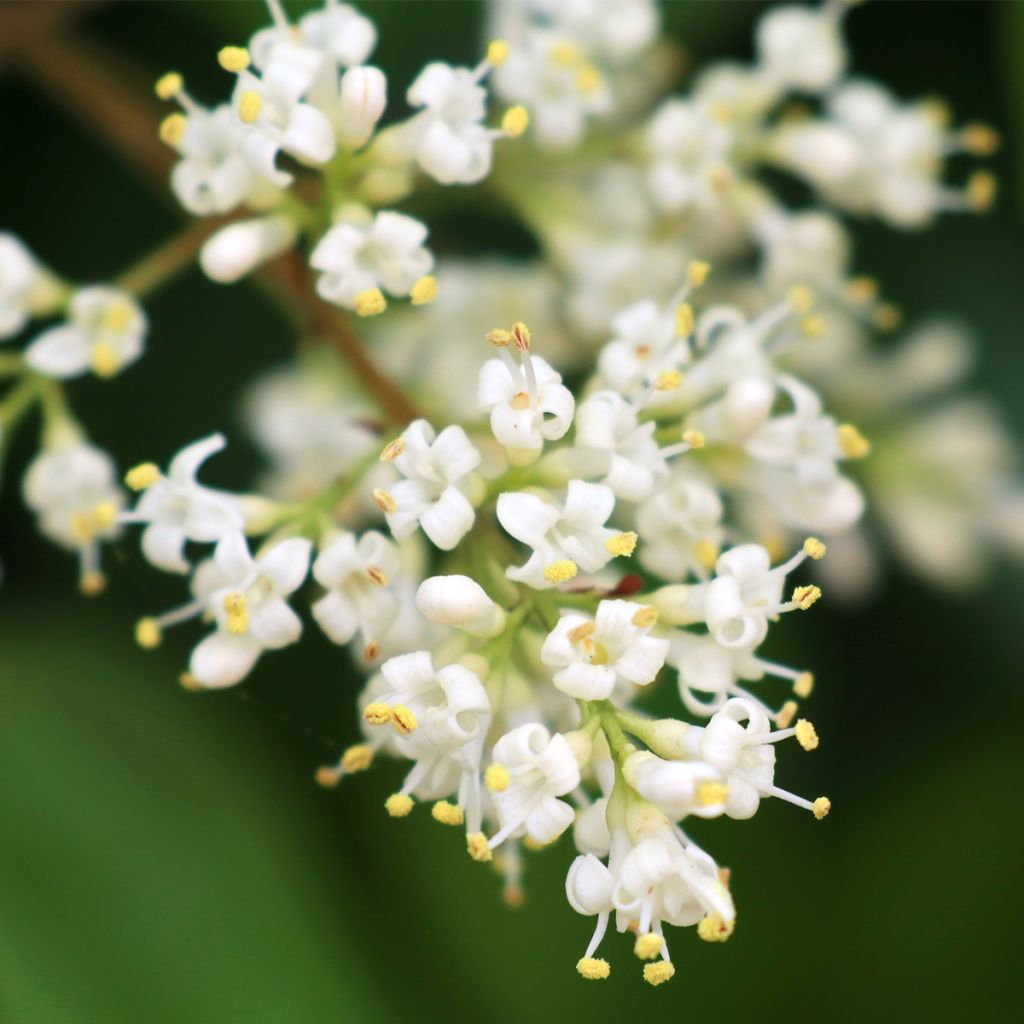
{"x":165,"y":857}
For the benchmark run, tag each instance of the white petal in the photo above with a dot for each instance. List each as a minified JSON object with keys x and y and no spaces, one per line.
{"x":449,"y":519}
{"x":223,"y":660}
{"x":60,"y":352}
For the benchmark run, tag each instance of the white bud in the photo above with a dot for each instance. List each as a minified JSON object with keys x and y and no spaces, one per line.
{"x":459,"y":601}
{"x":679,"y":604}
{"x":748,"y":403}
{"x":589,"y":885}
{"x":672,"y":739}
{"x":364,"y":94}
{"x":238,"y":249}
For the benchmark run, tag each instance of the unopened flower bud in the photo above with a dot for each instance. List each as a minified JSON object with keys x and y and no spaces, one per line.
{"x":238,"y":249}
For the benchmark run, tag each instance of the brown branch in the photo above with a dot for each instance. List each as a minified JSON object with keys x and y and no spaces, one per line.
{"x":108,"y":94}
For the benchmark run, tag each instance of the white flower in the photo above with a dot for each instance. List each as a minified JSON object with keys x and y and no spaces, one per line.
{"x":661,"y":880}
{"x":72,"y":488}
{"x":677,"y":788}
{"x":681,"y":524}
{"x":527,"y":401}
{"x":449,"y":706}
{"x":608,"y":422}
{"x":801,"y":48}
{"x":19,"y":278}
{"x":541,"y":768}
{"x":745,"y":757}
{"x":212,"y":176}
{"x":238,"y":249}
{"x":357,"y":573}
{"x":690,"y":149}
{"x":435,"y":469}
{"x":616,"y":30}
{"x":459,"y":601}
{"x":177,"y":508}
{"x":809,"y":248}
{"x":104,"y":332}
{"x":645,"y":343}
{"x":558,"y":85}
{"x":340,"y":31}
{"x":361,"y":101}
{"x":387,"y":254}
{"x":592,"y":655}
{"x":563,"y":539}
{"x":276,"y":119}
{"x":448,"y":137}
{"x":249,"y":607}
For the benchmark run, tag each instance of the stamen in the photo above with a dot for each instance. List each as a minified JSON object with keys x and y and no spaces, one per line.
{"x":714,"y":928}
{"x":496,"y":778}
{"x":684,"y":320}
{"x":852,"y":443}
{"x":142,"y":476}
{"x":377,"y":576}
{"x":403,"y":721}
{"x":560,"y":572}
{"x":148,"y":634}
{"x":237,"y":609}
{"x":477,"y":848}
{"x":659,"y":973}
{"x":711,"y":793}
{"x":800,"y":298}
{"x":377,"y":713}
{"x":384,"y":501}
{"x":392,"y":450}
{"x":622,"y":545}
{"x":979,"y":139}
{"x":648,"y":946}
{"x":806,"y":735}
{"x":694,"y":438}
{"x":647,"y":616}
{"x":804,"y":597}
{"x":92,"y":583}
{"x":821,"y":807}
{"x":168,"y":86}
{"x":446,"y":813}
{"x":249,"y":105}
{"x":593,"y":968}
{"x":707,"y":552}
{"x":104,"y":359}
{"x":234,"y":59}
{"x":424,"y":290}
{"x":398,"y":805}
{"x":668,"y":380}
{"x":497,"y":52}
{"x":172,"y":129}
{"x":981,"y":191}
{"x":697,"y":273}
{"x":515,"y":121}
{"x":370,"y":302}
{"x":786,"y":714}
{"x":813,"y":548}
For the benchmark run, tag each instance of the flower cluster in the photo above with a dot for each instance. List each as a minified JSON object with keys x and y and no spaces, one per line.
{"x":518,"y":540}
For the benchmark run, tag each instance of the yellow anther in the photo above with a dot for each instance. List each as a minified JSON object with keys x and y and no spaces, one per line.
{"x":515,"y":121}
{"x":694,"y":438}
{"x":371,"y":651}
{"x":384,"y":501}
{"x":116,"y":316}
{"x":803,"y":685}
{"x":446,"y":813}
{"x":392,"y":450}
{"x":92,"y":583}
{"x":147,"y":634}
{"x":584,"y":631}
{"x":622,"y":545}
{"x":813,"y":548}
{"x":589,"y":80}
{"x":521,"y":336}
{"x":852,"y":443}
{"x":424,"y":290}
{"x":237,"y":609}
{"x":249,"y":106}
{"x":327,"y":776}
{"x":142,"y":476}
{"x":377,"y":576}
{"x":821,"y":807}
{"x":370,"y":302}
{"x":659,"y":973}
{"x":566,"y":54}
{"x":82,"y":530}
{"x":377,"y":713}
{"x":187,"y":681}
{"x":357,"y":758}
{"x":668,"y":380}
{"x":105,"y":362}
{"x":559,"y":572}
{"x":981,"y":191}
{"x":477,"y":848}
{"x":936,"y":110}
{"x":512,"y":895}
{"x":862,"y":289}
{"x":807,"y":735}
{"x":499,"y":338}
{"x":648,"y":946}
{"x":887,"y":317}
{"x":233,"y":58}
{"x":707,"y":553}
{"x":714,"y":928}
{"x":168,"y":86}
{"x":497,"y":52}
{"x":172,"y":129}
{"x":645,"y":617}
{"x":800,"y":298}
{"x":786,"y":714}
{"x":812,"y":326}
{"x":979,"y":139}
{"x":684,"y":320}
{"x":398,"y":805}
{"x":593,"y":968}
{"x":804,"y":597}
{"x":711,"y":793}
{"x":496,"y":778}
{"x":520,"y":400}
{"x":104,"y":514}
{"x":403,"y":721}
{"x":697,"y":273}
